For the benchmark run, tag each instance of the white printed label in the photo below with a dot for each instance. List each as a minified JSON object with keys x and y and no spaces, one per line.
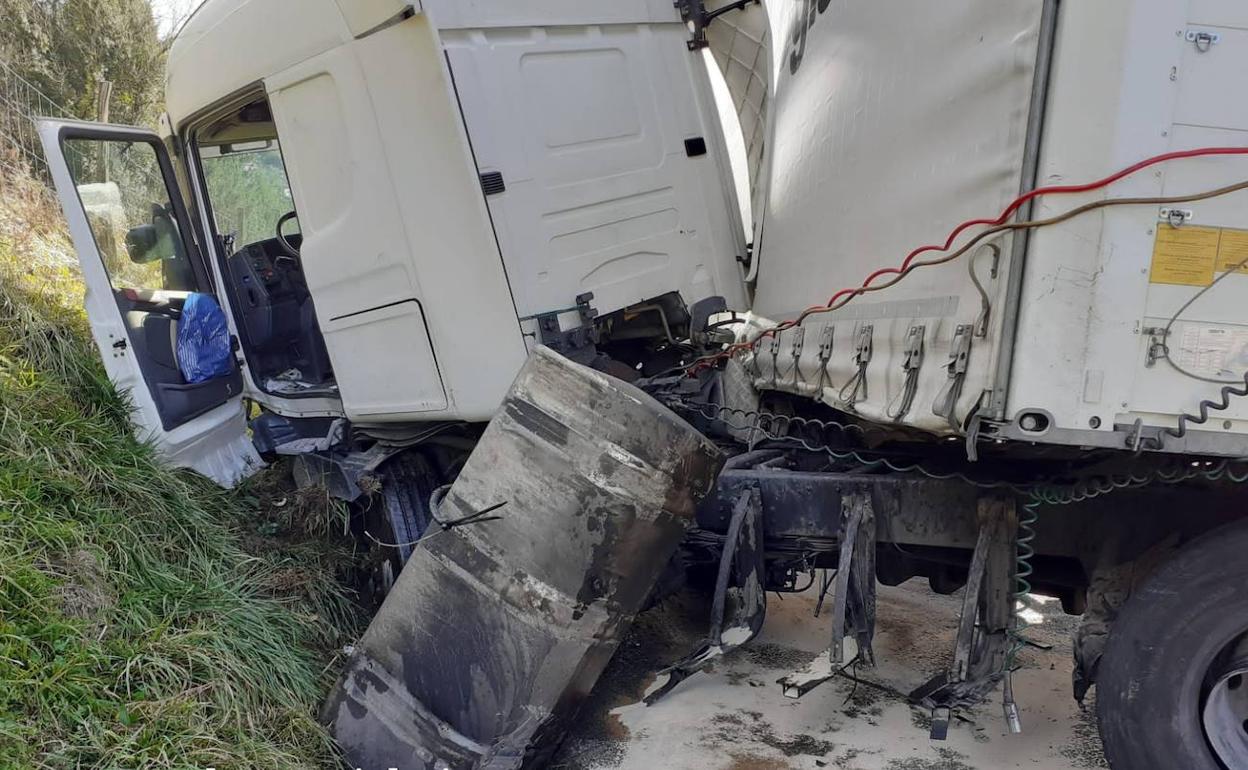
{"x":1214,"y":351}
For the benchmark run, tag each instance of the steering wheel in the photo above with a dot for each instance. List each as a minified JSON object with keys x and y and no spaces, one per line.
{"x":291,"y":251}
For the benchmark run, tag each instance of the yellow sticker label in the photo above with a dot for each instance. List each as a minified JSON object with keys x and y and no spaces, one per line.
{"x":1185,"y":255}
{"x":1233,"y":251}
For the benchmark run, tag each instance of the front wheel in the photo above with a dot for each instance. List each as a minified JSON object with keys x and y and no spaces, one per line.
{"x":1172,"y":690}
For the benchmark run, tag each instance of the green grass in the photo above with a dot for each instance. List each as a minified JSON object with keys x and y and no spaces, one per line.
{"x":135,"y":630}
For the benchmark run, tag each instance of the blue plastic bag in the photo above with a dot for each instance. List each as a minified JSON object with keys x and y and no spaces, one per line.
{"x":203,"y":349}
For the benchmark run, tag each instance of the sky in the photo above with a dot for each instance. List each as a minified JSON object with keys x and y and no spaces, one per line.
{"x":169,"y":13}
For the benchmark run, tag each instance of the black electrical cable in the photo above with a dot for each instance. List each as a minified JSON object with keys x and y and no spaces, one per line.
{"x":1239,"y":390}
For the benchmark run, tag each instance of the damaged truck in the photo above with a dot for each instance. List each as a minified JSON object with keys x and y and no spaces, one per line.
{"x":564,"y":295}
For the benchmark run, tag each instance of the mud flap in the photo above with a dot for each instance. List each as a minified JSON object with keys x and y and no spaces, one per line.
{"x":497,"y":629}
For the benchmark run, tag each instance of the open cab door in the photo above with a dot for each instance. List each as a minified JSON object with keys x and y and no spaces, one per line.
{"x":142,"y":270}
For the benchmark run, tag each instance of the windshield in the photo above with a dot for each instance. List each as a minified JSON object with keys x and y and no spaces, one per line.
{"x":248,"y":191}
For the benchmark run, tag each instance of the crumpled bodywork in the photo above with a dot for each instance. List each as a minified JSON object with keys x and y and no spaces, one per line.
{"x":497,"y":630}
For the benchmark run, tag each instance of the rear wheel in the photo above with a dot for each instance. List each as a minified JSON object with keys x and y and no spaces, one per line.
{"x":1172,"y":690}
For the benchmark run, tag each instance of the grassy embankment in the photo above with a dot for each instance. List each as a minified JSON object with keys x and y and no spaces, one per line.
{"x":147,"y":619}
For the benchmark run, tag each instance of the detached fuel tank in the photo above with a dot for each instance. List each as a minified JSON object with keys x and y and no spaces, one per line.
{"x":496,"y":631}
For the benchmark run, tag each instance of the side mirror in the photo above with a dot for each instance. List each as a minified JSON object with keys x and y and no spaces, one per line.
{"x":141,"y":244}
{"x":154,"y":242}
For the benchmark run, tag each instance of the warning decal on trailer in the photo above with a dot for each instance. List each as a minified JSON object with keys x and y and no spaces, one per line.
{"x":1185,"y":255}
{"x":1233,"y":250}
{"x":1190,"y":256}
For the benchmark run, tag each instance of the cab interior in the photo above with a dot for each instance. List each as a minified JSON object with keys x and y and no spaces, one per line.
{"x":256,"y":239}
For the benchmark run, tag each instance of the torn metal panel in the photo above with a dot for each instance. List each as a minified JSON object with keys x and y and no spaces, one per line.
{"x":495,"y":632}
{"x":982,"y":649}
{"x":853,"y":609}
{"x":742,"y":559}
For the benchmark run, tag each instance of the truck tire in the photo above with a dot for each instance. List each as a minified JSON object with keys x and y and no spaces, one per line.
{"x":400,"y":513}
{"x":1172,"y":690}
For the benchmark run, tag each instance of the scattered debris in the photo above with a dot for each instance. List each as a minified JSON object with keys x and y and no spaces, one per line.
{"x":716,"y":721}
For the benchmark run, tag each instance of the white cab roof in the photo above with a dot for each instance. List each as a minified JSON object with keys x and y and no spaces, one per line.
{"x":227,"y":45}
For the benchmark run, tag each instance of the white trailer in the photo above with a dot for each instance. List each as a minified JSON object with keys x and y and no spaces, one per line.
{"x":1044,"y":398}
{"x":1076,"y":333}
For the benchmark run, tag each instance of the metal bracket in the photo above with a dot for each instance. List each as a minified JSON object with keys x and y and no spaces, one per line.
{"x":825,"y":344}
{"x":773,"y":346}
{"x":1203,"y":40}
{"x":799,"y":336}
{"x":853,"y":607}
{"x":577,"y":344}
{"x":913,"y":358}
{"x":1156,"y":344}
{"x":1138,"y":438}
{"x":912,"y":361}
{"x":983,"y":640}
{"x":694,"y":12}
{"x":857,"y":384}
{"x":587,"y":311}
{"x":825,"y":355}
{"x":959,"y":357}
{"x":863,"y":348}
{"x":742,"y":556}
{"x":1175,"y":217}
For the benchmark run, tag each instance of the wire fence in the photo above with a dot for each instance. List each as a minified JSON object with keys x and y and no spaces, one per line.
{"x":21,"y":104}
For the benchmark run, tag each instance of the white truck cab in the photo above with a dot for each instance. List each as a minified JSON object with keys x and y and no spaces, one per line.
{"x":468,"y":179}
{"x":393,"y":202}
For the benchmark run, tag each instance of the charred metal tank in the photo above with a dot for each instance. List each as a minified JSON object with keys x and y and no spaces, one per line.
{"x":498,"y":628}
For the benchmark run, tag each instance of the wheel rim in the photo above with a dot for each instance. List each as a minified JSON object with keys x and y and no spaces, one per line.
{"x":1225,"y":712}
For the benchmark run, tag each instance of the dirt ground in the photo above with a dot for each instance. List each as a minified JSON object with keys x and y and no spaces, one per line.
{"x":734,"y":717}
